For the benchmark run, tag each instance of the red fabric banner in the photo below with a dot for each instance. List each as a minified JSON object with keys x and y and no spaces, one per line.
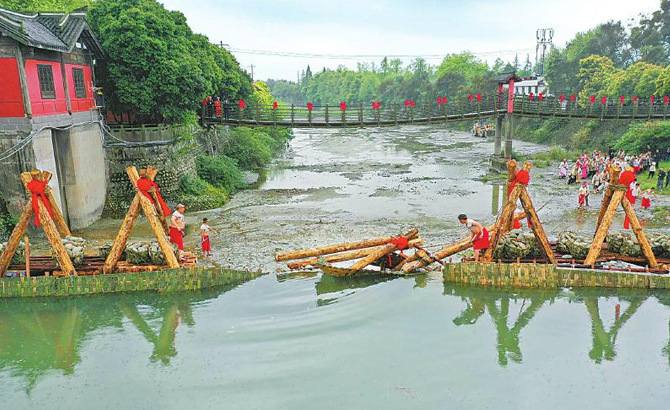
{"x":36,"y":189}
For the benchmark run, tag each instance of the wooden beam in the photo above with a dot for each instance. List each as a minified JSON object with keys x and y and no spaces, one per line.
{"x":150,"y":212}
{"x":56,"y":213}
{"x":604,"y":228}
{"x":151,"y":174}
{"x":327,"y":250}
{"x":26,"y":253}
{"x":55,"y":241}
{"x":382,"y":251}
{"x":505,"y":219}
{"x":536,"y":226}
{"x":123,"y":236}
{"x":15,"y":238}
{"x":639,"y":233}
{"x":614,"y":173}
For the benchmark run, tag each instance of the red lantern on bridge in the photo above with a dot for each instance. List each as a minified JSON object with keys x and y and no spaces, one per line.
{"x":561,"y":98}
{"x":275,"y":105}
{"x":411,"y":102}
{"x":653,"y":99}
{"x":530,"y":96}
{"x":635,"y":99}
{"x":406,"y":103}
{"x":470,"y":98}
{"x":445,"y":100}
{"x":622,"y":99}
{"x":603,"y":101}
{"x":310,"y":106}
{"x":242,"y":104}
{"x":479,"y":97}
{"x":666,"y":99}
{"x":540,"y":96}
{"x":593,"y":99}
{"x":376,"y":105}
{"x":343,"y":106}
{"x":572,"y":97}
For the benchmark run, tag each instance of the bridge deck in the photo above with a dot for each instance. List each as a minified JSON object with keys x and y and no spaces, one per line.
{"x":393,"y":115}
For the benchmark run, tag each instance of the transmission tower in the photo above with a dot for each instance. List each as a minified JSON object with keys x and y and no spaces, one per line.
{"x":544,"y":39}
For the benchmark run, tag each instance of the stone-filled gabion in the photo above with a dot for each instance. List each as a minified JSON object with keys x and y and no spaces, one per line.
{"x":74,"y":246}
{"x":19,"y":257}
{"x":105,"y":249}
{"x":138,"y":253}
{"x":571,"y":243}
{"x":626,"y":243}
{"x":516,"y":244}
{"x":156,"y":254}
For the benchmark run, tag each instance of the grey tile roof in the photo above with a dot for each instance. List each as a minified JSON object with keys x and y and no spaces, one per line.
{"x":49,"y":31}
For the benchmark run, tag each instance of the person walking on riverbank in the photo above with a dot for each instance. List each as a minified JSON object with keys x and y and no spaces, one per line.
{"x":177,"y":226}
{"x":652,"y":170}
{"x":661,"y":179}
{"x":583,"y":195}
{"x":205,"y":232}
{"x":479,"y":236}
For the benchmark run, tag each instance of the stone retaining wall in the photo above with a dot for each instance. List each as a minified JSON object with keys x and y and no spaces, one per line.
{"x":165,"y":281}
{"x":523,"y":275}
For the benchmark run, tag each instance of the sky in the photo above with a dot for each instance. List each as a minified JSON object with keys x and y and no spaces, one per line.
{"x":334,"y":32}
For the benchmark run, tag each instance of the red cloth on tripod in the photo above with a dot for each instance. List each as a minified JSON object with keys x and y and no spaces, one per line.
{"x":144,"y":185}
{"x":522,"y":177}
{"x":36,"y":189}
{"x":627,"y":178}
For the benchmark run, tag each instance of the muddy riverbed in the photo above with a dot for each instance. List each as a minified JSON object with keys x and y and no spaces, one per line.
{"x":331,"y":186}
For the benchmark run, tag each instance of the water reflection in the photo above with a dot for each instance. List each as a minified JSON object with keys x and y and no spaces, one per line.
{"x":37,"y":337}
{"x":478,"y":301}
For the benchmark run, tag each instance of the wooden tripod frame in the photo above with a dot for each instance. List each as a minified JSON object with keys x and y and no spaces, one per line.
{"x":506,"y":217}
{"x":53,"y":228}
{"x":615,"y":196}
{"x":154,"y":214}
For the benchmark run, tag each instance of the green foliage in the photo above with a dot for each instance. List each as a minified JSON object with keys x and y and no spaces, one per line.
{"x":198,"y":194}
{"x":555,"y":153}
{"x":655,"y":134}
{"x":251,"y":149}
{"x":461,"y":74}
{"x":157,"y":67}
{"x":220,"y":171}
{"x":45,"y":5}
{"x":7,"y":221}
{"x":261,"y":94}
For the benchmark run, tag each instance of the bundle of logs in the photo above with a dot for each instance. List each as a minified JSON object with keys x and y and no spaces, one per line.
{"x":379,"y":251}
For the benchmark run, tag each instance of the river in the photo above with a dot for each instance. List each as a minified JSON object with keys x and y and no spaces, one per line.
{"x":305,"y":341}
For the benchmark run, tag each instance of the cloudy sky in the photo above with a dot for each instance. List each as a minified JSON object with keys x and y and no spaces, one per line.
{"x":327,"y":33}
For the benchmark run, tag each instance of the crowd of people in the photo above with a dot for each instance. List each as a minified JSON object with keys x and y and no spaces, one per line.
{"x":589,"y":172}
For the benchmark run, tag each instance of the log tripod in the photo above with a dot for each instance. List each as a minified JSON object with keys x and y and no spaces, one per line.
{"x":54,"y":228}
{"x":615,"y":196}
{"x":154,"y":214}
{"x":506,"y":218}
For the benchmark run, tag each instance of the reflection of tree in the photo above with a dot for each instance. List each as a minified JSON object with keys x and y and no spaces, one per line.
{"x":329,"y":285}
{"x":664,"y":298}
{"x":38,"y":336}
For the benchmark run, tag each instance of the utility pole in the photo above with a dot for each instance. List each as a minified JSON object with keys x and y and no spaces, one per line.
{"x":252,"y":72}
{"x":544,"y":38}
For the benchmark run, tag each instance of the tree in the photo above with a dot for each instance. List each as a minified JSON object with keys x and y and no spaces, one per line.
{"x":462,"y":73}
{"x":45,"y":5}
{"x":650,"y":39}
{"x":157,"y":68}
{"x":595,"y":73}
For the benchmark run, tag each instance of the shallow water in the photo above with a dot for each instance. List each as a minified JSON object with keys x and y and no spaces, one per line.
{"x":319,"y":342}
{"x":302,"y":341}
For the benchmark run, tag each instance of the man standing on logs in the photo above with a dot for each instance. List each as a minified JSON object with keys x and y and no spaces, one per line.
{"x":479,"y":235}
{"x":177,"y":225}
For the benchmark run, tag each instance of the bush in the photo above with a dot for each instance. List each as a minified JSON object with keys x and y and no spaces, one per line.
{"x":198,"y":194}
{"x":220,"y":171}
{"x":251,"y":149}
{"x":655,"y":134}
{"x":7,"y":221}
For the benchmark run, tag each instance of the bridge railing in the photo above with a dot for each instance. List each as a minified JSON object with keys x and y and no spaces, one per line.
{"x":599,"y":109}
{"x":356,"y":114}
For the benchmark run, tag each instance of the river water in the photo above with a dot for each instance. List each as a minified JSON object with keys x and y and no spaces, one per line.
{"x":305,"y":341}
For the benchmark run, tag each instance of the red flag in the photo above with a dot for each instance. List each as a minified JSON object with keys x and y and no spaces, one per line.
{"x":572,"y":97}
{"x":406,"y":103}
{"x":666,"y":99}
{"x":530,"y":96}
{"x":343,"y":106}
{"x":635,"y":99}
{"x":242,"y":104}
{"x":310,"y":106}
{"x":275,"y":105}
{"x":540,"y":97}
{"x":603,"y":100}
{"x":479,"y":97}
{"x":561,"y":98}
{"x":470,"y":97}
{"x":593,"y":99}
{"x":439,"y":100}
{"x":411,"y":102}
{"x":653,"y":99}
{"x":622,"y":99}
{"x":446,"y":101}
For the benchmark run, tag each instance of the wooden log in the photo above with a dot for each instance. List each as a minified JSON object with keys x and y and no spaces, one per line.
{"x":15,"y":238}
{"x":382,"y":251}
{"x":56,"y":213}
{"x":54,"y":238}
{"x":150,"y":212}
{"x":506,"y":218}
{"x":151,"y":174}
{"x":419,"y":262}
{"x":536,"y":226}
{"x":614,"y":173}
{"x":341,"y":257}
{"x":122,"y":237}
{"x":27,"y":255}
{"x":604,"y":228}
{"x":639,"y":233}
{"x":327,"y":250}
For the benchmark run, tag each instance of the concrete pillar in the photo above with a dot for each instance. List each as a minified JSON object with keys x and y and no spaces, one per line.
{"x":497,"y":145}
{"x":508,"y":136}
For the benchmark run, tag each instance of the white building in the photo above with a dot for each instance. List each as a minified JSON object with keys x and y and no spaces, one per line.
{"x":533,"y":84}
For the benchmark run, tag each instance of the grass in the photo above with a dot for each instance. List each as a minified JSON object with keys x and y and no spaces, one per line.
{"x":646,"y":183}
{"x":493,"y":177}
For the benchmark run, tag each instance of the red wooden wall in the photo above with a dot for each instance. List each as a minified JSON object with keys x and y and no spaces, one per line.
{"x":11,"y":100}
{"x":41,"y":106}
{"x":80,"y":104}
